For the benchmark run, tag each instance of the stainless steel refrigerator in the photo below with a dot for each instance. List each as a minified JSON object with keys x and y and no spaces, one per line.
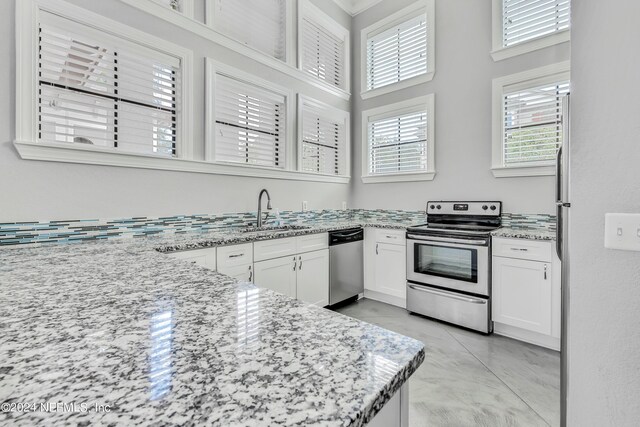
{"x":563,"y":206}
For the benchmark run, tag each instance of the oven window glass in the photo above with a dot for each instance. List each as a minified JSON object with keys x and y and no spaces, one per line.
{"x":443,"y":261}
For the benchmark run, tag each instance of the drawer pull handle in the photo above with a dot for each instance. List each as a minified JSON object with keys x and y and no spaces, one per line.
{"x":250,"y":274}
{"x":236,"y":256}
{"x":391,"y":237}
{"x":545,"y":272}
{"x":376,"y":248}
{"x":520,"y":249}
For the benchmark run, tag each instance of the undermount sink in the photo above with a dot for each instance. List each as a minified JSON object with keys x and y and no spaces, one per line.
{"x":269,"y":228}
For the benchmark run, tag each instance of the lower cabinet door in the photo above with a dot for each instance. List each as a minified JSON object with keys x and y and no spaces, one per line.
{"x":313,"y":277}
{"x":390,"y":269}
{"x":241,"y":272}
{"x":522,"y":294}
{"x":278,"y":274}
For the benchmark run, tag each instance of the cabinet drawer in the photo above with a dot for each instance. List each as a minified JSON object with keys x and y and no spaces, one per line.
{"x":229,"y":256}
{"x":534,"y":250}
{"x":393,"y":237}
{"x":276,"y":248}
{"x":203,"y":257}
{"x":312,"y":242}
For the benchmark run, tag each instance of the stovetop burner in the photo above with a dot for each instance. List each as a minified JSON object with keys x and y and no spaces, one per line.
{"x":460,"y":218}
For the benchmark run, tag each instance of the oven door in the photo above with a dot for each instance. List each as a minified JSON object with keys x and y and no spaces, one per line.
{"x":451,"y":263}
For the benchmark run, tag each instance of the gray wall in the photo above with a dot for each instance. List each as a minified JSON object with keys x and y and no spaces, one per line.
{"x":604,"y":317}
{"x":35,"y":190}
{"x":462,"y":87}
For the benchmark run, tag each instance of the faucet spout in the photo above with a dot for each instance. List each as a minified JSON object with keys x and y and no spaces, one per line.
{"x":263,"y":191}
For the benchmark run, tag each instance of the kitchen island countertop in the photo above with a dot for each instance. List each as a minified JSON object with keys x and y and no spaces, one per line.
{"x":160,"y":341}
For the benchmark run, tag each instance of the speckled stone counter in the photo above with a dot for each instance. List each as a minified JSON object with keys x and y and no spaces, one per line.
{"x":164,"y":342}
{"x":525,"y":233}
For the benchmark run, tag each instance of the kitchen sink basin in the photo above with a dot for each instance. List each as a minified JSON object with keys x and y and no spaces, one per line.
{"x":271,"y":229}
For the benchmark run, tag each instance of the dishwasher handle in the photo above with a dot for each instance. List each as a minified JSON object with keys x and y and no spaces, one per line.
{"x":345,"y":236}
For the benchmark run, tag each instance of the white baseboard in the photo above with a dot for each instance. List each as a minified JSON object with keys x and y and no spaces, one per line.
{"x":527,"y":336}
{"x":389,"y":299}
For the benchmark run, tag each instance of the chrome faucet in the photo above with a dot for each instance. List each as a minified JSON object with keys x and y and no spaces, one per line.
{"x":264,"y":190}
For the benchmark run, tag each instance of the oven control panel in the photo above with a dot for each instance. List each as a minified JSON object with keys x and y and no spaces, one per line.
{"x":465,"y":208}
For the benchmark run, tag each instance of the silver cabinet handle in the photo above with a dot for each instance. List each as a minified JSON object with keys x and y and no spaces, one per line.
{"x":250,"y":274}
{"x":236,"y":255}
{"x":448,"y":295}
{"x":294,"y":263}
{"x":391,"y":237}
{"x":545,"y":272}
{"x":376,"y":248}
{"x":300,"y":267}
{"x":520,"y":249}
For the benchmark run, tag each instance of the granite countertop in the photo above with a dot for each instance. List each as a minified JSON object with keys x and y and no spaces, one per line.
{"x":161,"y":341}
{"x":525,"y":233}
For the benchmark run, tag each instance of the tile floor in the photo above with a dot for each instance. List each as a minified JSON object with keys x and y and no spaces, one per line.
{"x":468,"y":379}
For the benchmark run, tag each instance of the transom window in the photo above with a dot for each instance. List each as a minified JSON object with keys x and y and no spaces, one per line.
{"x":524,"y":20}
{"x":98,"y":90}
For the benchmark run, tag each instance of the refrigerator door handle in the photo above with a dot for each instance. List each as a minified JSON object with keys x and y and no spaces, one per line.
{"x":559,"y":176}
{"x":559,"y":230}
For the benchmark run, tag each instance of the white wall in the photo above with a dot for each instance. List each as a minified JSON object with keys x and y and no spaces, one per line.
{"x":604,"y":317}
{"x":35,"y":190}
{"x":462,"y":87}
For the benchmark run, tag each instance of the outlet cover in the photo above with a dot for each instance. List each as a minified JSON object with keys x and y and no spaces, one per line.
{"x":305,"y":206}
{"x":622,"y":231}
{"x":344,"y":206}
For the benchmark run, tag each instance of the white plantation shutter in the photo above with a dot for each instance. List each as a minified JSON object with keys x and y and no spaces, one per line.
{"x":250,"y":124}
{"x":100,"y":90}
{"x":533,"y":124}
{"x":323,"y":53}
{"x":528,"y":19}
{"x":398,"y":144}
{"x":323,"y":141}
{"x":398,"y":53}
{"x":260,"y":24}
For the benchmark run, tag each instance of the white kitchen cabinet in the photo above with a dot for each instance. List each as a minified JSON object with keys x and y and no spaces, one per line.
{"x":278,"y":274}
{"x":526,"y":291}
{"x":236,"y":261}
{"x":385,"y":273}
{"x":244,"y":273}
{"x":313,"y":277}
{"x":203,"y":257}
{"x":522,"y":294}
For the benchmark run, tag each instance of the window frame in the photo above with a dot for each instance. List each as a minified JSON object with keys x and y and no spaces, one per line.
{"x":418,"y":8}
{"x":530,"y":78}
{"x":422,"y":103}
{"x":27,"y":141}
{"x":500,"y":52}
{"x":213,"y":68}
{"x":289,"y":52}
{"x":345,"y":115}
{"x":309,"y":11}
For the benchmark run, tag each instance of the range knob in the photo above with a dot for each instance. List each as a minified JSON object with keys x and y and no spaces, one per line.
{"x":485,"y":207}
{"x":439,"y":207}
{"x":432,"y":206}
{"x":493,"y":207}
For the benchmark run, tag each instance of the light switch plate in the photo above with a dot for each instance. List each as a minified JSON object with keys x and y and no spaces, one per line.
{"x":622,"y":231}
{"x":305,"y":206}
{"x":344,"y":206}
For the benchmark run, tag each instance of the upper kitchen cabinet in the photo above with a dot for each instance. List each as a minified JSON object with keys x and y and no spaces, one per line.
{"x":524,"y":26}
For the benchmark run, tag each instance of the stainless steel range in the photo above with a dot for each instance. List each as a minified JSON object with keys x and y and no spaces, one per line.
{"x":449,"y":263}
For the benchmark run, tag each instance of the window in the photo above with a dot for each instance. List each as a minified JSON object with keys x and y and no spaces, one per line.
{"x":99,"y":90}
{"x":398,"y":141}
{"x":398,"y":51}
{"x":260,"y":24}
{"x":528,"y":125}
{"x":524,"y":25}
{"x":248,"y":119}
{"x":324,"y":138}
{"x":323,"y":47}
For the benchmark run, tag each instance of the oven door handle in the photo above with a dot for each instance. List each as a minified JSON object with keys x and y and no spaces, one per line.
{"x":448,"y":295}
{"x":448,"y":240}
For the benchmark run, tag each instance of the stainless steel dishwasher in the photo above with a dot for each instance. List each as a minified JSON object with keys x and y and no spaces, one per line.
{"x":346,"y":267}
